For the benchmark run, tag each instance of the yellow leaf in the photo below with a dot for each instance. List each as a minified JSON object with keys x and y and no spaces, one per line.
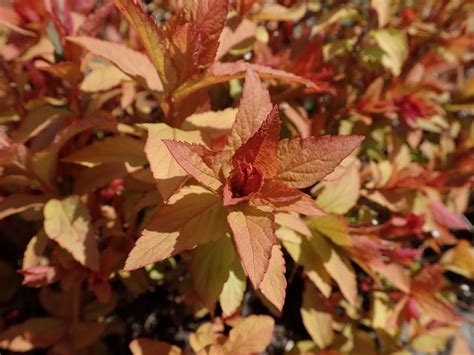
{"x":304,"y":254}
{"x":114,"y":149}
{"x":102,"y":78}
{"x":383,"y":9}
{"x":210,"y":269}
{"x":233,"y":291}
{"x":68,"y":223}
{"x":316,"y":319}
{"x":332,"y":226}
{"x":395,"y":46}
{"x":337,"y":265}
{"x":168,"y":173}
{"x":340,"y":194}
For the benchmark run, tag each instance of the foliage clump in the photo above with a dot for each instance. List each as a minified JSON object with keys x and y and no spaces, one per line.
{"x":154,"y":156}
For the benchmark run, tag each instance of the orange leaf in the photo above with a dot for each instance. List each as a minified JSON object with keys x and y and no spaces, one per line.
{"x":192,"y":158}
{"x":303,"y":162}
{"x":273,"y":285}
{"x":255,"y":105}
{"x":253,"y":232}
{"x":243,"y":337}
{"x":194,"y":216}
{"x":68,"y":223}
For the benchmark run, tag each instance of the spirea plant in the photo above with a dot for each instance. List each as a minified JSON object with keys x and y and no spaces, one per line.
{"x":235,"y":177}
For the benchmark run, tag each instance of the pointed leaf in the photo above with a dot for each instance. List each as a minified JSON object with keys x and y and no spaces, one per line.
{"x":261,"y":148}
{"x":255,"y":105}
{"x":242,"y":339}
{"x":283,"y":198}
{"x":131,"y":62}
{"x":209,"y":17}
{"x":303,"y":162}
{"x":192,"y":158}
{"x":68,"y":223}
{"x":114,"y":149}
{"x":210,"y":269}
{"x":332,"y":226}
{"x":193,"y":216}
{"x":233,"y":291}
{"x":337,"y":265}
{"x":253,"y":233}
{"x":304,"y":255}
{"x":273,"y":285}
{"x":316,"y":318}
{"x":151,"y":38}
{"x":168,"y":173}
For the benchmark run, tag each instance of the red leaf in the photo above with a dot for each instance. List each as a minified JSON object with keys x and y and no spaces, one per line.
{"x":192,"y":158}
{"x":261,"y":149}
{"x":446,"y":217}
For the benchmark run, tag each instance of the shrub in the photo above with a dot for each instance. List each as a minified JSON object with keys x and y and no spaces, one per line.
{"x":154,"y":156}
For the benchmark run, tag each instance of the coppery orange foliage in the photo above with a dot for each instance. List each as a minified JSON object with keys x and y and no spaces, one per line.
{"x":154,"y":155}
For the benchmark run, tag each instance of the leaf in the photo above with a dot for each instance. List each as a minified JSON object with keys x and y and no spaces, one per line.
{"x":255,"y":106}
{"x":212,"y":122}
{"x":395,"y":46}
{"x":209,"y":17}
{"x":316,"y":318}
{"x":337,"y":265}
{"x":35,"y":333}
{"x":68,"y":223}
{"x":210,"y":269}
{"x":99,"y":176}
{"x":304,"y":254}
{"x":131,"y":62}
{"x":277,"y":12}
{"x":261,"y":148}
{"x":242,"y":339}
{"x":254,"y":237}
{"x":283,"y":198}
{"x":144,"y":346}
{"x":273,"y":285}
{"x":34,"y":250}
{"x":17,"y":203}
{"x":383,"y":8}
{"x":152,"y":40}
{"x":193,"y":216}
{"x":192,"y":158}
{"x":233,"y":291}
{"x":445,"y":217}
{"x":232,"y":36}
{"x":340,"y":194}
{"x":168,"y":173}
{"x":460,"y":259}
{"x":303,"y":162}
{"x":114,"y":149}
{"x":332,"y":226}
{"x":102,"y":78}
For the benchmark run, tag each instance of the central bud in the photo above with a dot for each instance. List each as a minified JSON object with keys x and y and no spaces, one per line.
{"x":247,"y":178}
